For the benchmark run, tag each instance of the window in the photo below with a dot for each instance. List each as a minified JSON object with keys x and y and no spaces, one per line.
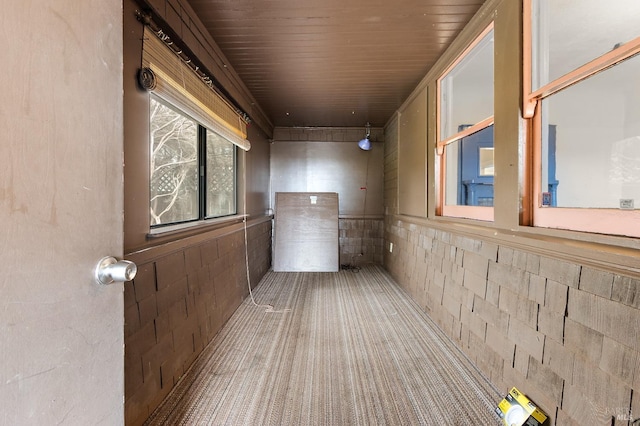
{"x":465,"y":132}
{"x":220,"y":171}
{"x":194,"y":135}
{"x":178,"y":193}
{"x":582,"y":95}
{"x":174,"y":166}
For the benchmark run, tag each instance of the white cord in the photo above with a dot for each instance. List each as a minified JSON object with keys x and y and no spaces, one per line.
{"x":269,"y":308}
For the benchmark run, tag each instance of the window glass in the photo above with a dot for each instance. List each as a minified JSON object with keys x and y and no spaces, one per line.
{"x":469,"y":170}
{"x":221,"y":176}
{"x":465,"y":134}
{"x":567,"y":34}
{"x":486,"y":161}
{"x":591,"y":141}
{"x":174,"y":166}
{"x":466,"y":92}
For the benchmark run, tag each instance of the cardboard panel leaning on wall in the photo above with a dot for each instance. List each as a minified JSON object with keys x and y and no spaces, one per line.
{"x":306,"y":232}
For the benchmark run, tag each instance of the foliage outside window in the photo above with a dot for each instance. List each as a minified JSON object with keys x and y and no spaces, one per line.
{"x":221,"y":177}
{"x":180,"y":147}
{"x":465,"y":132}
{"x":582,"y":94}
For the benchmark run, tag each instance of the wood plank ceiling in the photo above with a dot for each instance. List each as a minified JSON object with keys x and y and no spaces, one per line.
{"x":338,"y":63}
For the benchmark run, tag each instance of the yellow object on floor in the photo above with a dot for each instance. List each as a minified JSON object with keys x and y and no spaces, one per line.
{"x":518,"y":410}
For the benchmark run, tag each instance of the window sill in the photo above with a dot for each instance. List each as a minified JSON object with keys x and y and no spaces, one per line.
{"x":171,"y":230}
{"x":468,"y":212}
{"x":625,"y":223}
{"x":161,"y":244}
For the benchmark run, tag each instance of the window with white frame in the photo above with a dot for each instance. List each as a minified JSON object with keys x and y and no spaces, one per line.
{"x":465,"y":132}
{"x":582,"y":94}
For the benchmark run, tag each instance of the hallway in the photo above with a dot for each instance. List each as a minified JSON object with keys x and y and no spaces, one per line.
{"x":340,"y":348}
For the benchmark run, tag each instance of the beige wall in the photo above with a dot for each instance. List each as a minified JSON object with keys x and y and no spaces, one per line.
{"x":328,"y":159}
{"x":554,"y":313}
{"x":412,"y":169}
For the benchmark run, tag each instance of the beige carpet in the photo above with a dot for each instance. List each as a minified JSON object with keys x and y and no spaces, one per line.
{"x":352,"y":350}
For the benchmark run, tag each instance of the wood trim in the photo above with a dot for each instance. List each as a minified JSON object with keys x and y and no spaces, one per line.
{"x":187,"y":240}
{"x":441,"y":143}
{"x":468,"y":212}
{"x":528,"y":104}
{"x":590,"y":68}
{"x":441,"y":173}
{"x":536,"y":166}
{"x":396,"y":207}
{"x":601,"y":221}
{"x":439,"y":147}
{"x":592,"y":220}
{"x":531,"y":98}
{"x":527,"y":167}
{"x":466,"y":132}
{"x":472,"y":212}
{"x":361,"y":217}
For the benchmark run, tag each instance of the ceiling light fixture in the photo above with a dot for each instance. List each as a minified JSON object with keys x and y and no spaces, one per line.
{"x":365,"y":144}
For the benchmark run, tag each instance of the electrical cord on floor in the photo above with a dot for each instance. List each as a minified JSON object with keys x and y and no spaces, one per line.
{"x":353,"y":266}
{"x":269,"y":308}
{"x":349,"y":267}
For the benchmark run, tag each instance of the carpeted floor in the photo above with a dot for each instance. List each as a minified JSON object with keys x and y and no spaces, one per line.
{"x":345,"y":348}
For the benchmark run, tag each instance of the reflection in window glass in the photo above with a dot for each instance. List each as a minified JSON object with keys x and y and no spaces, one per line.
{"x":486,"y":161}
{"x":174,"y":166}
{"x":570,"y":33}
{"x":221,"y":176}
{"x":591,"y":141}
{"x":468,"y":182}
{"x":466,"y":92}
